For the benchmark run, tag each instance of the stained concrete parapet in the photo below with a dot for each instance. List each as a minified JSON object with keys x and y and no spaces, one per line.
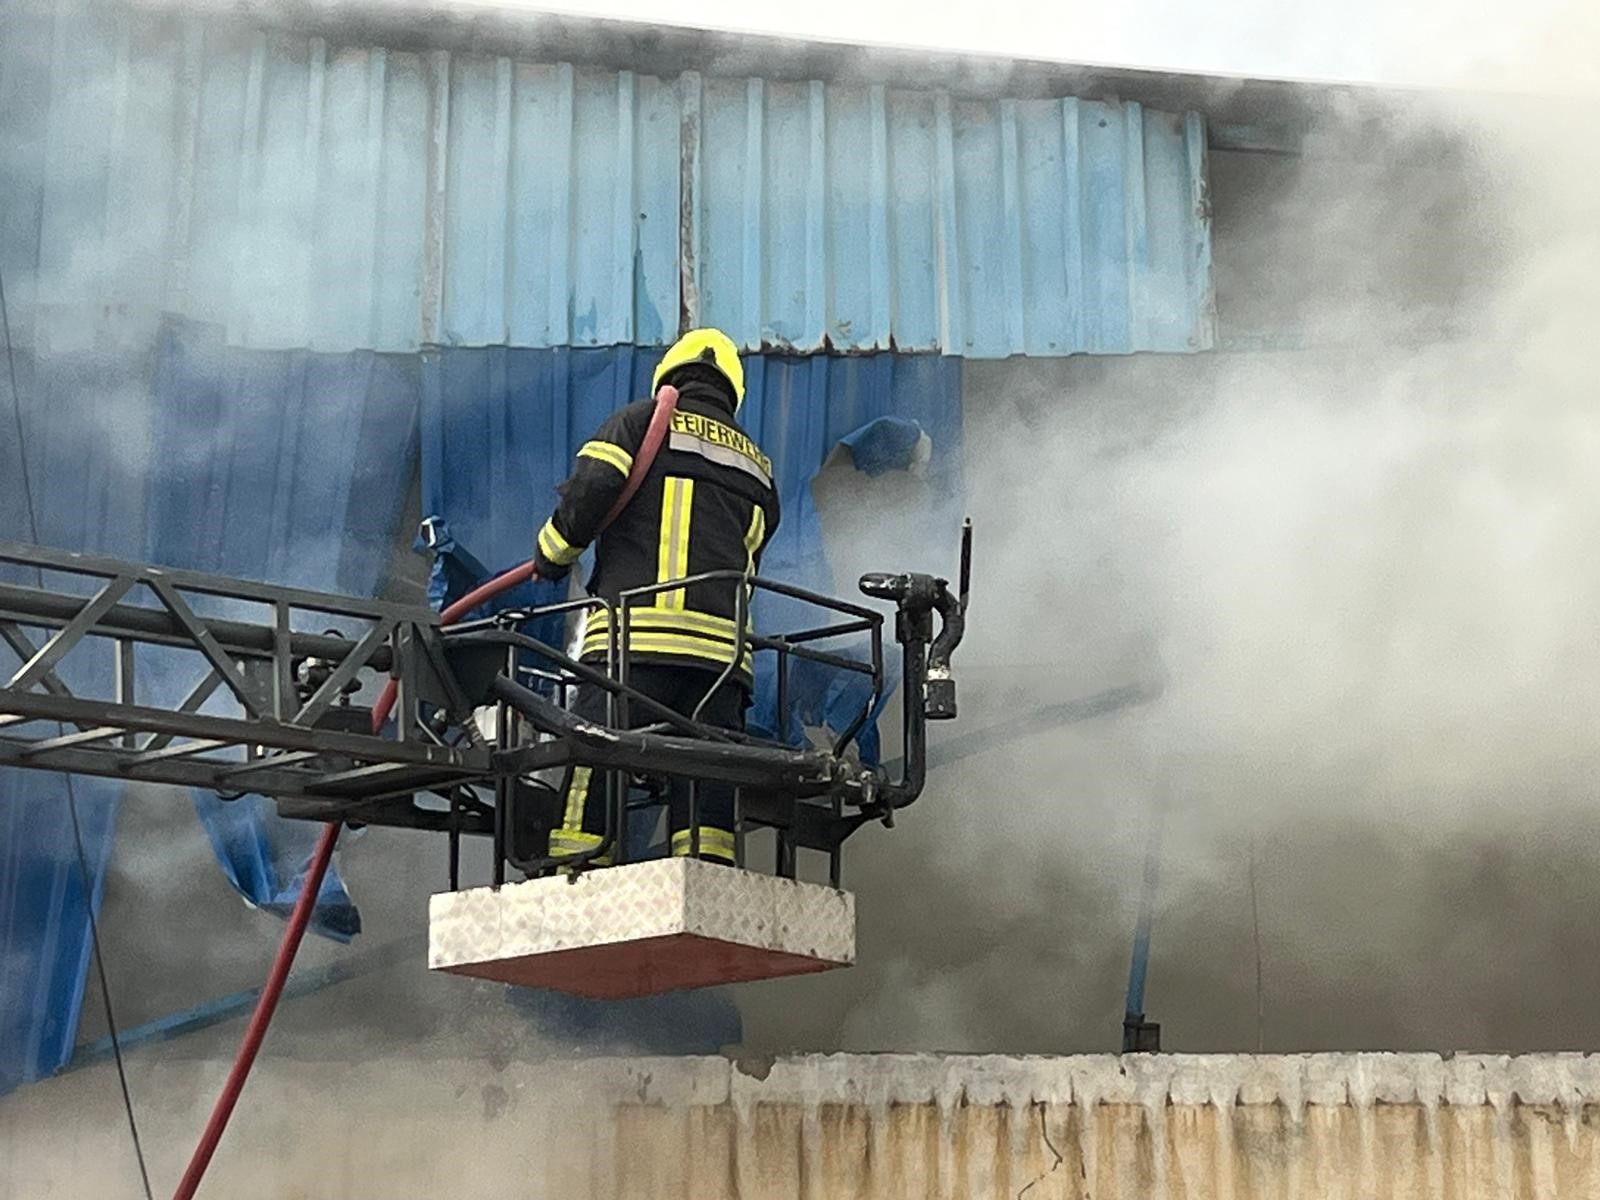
{"x":1567,"y":1080}
{"x":1163,"y":1127}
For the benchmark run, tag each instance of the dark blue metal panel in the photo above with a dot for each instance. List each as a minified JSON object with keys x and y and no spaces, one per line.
{"x":44,"y":926}
{"x":288,"y":467}
{"x":500,"y":427}
{"x":84,"y":461}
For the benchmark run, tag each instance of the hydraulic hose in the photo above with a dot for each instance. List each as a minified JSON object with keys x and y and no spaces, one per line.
{"x":294,"y":931}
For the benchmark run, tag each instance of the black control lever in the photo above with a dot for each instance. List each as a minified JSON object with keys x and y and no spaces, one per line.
{"x":918,"y":597}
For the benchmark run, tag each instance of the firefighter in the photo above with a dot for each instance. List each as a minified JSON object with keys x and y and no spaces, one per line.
{"x":707,"y":503}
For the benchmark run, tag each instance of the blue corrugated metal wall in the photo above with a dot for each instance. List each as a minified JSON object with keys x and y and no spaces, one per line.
{"x":307,"y":195}
{"x":296,"y":195}
{"x":287,"y":466}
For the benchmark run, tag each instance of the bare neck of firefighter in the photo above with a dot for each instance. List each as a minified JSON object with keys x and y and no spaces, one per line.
{"x":707,"y":503}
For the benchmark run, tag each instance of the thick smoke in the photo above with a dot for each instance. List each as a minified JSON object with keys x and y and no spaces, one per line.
{"x":1363,"y":567}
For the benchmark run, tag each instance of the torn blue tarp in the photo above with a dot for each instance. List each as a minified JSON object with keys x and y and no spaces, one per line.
{"x":292,"y":468}
{"x":455,"y":571}
{"x":886,"y":444}
{"x":823,"y":697}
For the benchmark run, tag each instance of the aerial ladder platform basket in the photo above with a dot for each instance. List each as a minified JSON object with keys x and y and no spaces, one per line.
{"x":154,"y":675}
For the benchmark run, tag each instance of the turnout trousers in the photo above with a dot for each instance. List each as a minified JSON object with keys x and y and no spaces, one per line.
{"x":680,"y":688}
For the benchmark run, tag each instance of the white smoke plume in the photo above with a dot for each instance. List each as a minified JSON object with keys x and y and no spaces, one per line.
{"x":1365,"y":569}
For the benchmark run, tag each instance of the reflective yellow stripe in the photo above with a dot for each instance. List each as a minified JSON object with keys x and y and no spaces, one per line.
{"x":720,"y":443}
{"x":555,"y":547}
{"x":724,"y":641}
{"x":661,"y":640}
{"x":577,"y":795}
{"x":672,"y":558}
{"x":752,"y":542}
{"x":568,"y":840}
{"x":711,"y":838}
{"x":716,"y":843}
{"x":641,"y":642}
{"x":608,"y":452}
{"x":598,"y":622}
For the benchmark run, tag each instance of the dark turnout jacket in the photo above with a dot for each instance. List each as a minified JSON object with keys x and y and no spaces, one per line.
{"x":707,"y":503}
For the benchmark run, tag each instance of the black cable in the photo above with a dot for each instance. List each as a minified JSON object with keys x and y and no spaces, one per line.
{"x":72,"y":798}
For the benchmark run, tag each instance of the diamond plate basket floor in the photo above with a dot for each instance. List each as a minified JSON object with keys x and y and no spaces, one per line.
{"x":642,"y":929}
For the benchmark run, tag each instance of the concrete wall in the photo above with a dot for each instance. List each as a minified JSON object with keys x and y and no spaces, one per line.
{"x":1191,"y":1127}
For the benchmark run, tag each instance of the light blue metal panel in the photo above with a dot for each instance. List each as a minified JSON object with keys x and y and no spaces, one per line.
{"x":541,"y":173}
{"x":1102,"y":181}
{"x":657,"y":147}
{"x":478,"y":176}
{"x":73,"y":260}
{"x":307,"y":195}
{"x":216,"y":172}
{"x":1048,"y":250}
{"x":728,"y":212}
{"x":979,"y":222}
{"x":912,"y":216}
{"x":400,"y":225}
{"x":267,"y":184}
{"x":604,"y":221}
{"x":24,"y":114}
{"x":856,"y":219}
{"x":560,"y":207}
{"x":277,"y":193}
{"x":859,"y":252}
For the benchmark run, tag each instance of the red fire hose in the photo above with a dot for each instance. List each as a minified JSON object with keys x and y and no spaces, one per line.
{"x":294,"y":931}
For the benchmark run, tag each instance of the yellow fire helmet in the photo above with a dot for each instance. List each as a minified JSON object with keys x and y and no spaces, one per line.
{"x":710,"y":346}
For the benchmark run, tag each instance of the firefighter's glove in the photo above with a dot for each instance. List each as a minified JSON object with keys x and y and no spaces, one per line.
{"x":547,"y":571}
